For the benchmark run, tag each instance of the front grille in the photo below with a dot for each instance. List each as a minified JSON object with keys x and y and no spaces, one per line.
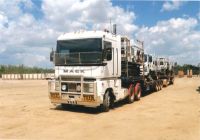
{"x":70,"y":87}
{"x":73,"y":85}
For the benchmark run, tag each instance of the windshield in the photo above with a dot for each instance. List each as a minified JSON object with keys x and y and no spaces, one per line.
{"x":79,"y":51}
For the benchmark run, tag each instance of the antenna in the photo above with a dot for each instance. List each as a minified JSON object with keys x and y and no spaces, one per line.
{"x":114,"y":29}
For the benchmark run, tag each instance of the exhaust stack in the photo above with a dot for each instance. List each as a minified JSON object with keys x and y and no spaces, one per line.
{"x":115,"y":29}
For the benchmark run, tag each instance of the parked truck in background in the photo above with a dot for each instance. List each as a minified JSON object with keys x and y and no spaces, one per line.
{"x":99,"y":68}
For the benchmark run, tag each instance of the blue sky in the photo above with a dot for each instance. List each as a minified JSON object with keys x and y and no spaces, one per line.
{"x":149,"y":12}
{"x":30,"y":29}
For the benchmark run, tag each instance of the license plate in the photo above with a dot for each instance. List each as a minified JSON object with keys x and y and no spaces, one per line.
{"x":88,"y":98}
{"x":64,"y":96}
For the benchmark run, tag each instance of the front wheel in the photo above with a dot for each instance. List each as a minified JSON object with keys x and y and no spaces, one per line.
{"x":138,"y":91}
{"x":105,"y":107}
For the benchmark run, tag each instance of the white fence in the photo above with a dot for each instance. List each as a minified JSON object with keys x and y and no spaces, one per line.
{"x":33,"y":76}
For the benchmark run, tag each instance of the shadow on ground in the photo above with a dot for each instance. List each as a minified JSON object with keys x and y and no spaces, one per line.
{"x":198,"y":89}
{"x":90,"y":110}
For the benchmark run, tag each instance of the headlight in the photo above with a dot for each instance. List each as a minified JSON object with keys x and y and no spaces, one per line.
{"x":64,"y":87}
{"x":88,"y":87}
{"x":78,"y":87}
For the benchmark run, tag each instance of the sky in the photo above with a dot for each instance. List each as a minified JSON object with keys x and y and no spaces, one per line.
{"x":29,"y":28}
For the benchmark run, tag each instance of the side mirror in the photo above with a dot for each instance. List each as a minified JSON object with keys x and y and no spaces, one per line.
{"x":52,"y":56}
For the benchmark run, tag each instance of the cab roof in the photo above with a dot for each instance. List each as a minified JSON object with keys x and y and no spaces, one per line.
{"x":86,"y":34}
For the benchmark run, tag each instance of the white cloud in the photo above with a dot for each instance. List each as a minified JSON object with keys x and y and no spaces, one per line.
{"x":175,"y":38}
{"x":22,"y":34}
{"x":80,"y":14}
{"x":27,"y":38}
{"x":3,"y":19}
{"x":171,"y":5}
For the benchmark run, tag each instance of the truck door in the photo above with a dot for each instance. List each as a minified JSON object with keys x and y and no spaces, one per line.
{"x":108,"y":58}
{"x":111,"y":57}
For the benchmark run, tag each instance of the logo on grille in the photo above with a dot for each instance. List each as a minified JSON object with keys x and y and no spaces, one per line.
{"x":73,"y":71}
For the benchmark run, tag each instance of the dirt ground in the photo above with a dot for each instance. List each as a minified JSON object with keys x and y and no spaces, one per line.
{"x":170,"y":114}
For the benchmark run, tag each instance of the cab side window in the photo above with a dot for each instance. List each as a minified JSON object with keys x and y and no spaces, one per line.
{"x":107,"y":52}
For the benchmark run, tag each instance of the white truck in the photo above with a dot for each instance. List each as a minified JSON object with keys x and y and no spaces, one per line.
{"x":158,"y":71}
{"x":97,"y":68}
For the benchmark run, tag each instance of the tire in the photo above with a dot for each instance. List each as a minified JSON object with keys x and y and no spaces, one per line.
{"x":156,"y":87}
{"x":137,"y":91}
{"x":105,"y":107}
{"x":131,"y":96}
{"x":160,"y":85}
{"x":172,"y":81}
{"x":165,"y":83}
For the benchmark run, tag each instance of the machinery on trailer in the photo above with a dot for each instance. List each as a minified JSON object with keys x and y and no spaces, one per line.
{"x":98,"y":68}
{"x":158,"y":72}
{"x":165,"y":71}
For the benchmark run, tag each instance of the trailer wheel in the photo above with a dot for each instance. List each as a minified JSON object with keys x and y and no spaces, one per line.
{"x":165,"y":83}
{"x":138,"y":91}
{"x":156,"y":87}
{"x":130,"y":98}
{"x":160,"y":84}
{"x":172,"y":81}
{"x":106,"y":102}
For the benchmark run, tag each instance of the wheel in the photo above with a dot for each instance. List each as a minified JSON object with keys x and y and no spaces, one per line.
{"x":156,"y":87}
{"x":131,"y":96}
{"x":106,"y":102}
{"x":159,"y":87}
{"x":172,"y":81}
{"x":165,"y":84}
{"x":160,"y":84}
{"x":138,"y":91}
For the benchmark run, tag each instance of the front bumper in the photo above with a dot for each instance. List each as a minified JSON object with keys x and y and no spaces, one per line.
{"x":75,"y":102}
{"x":57,"y":96}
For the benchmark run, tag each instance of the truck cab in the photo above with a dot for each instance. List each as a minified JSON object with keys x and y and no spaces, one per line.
{"x":87,"y":65}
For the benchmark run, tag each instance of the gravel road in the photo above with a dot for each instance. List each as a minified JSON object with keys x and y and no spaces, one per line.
{"x":170,"y":114}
